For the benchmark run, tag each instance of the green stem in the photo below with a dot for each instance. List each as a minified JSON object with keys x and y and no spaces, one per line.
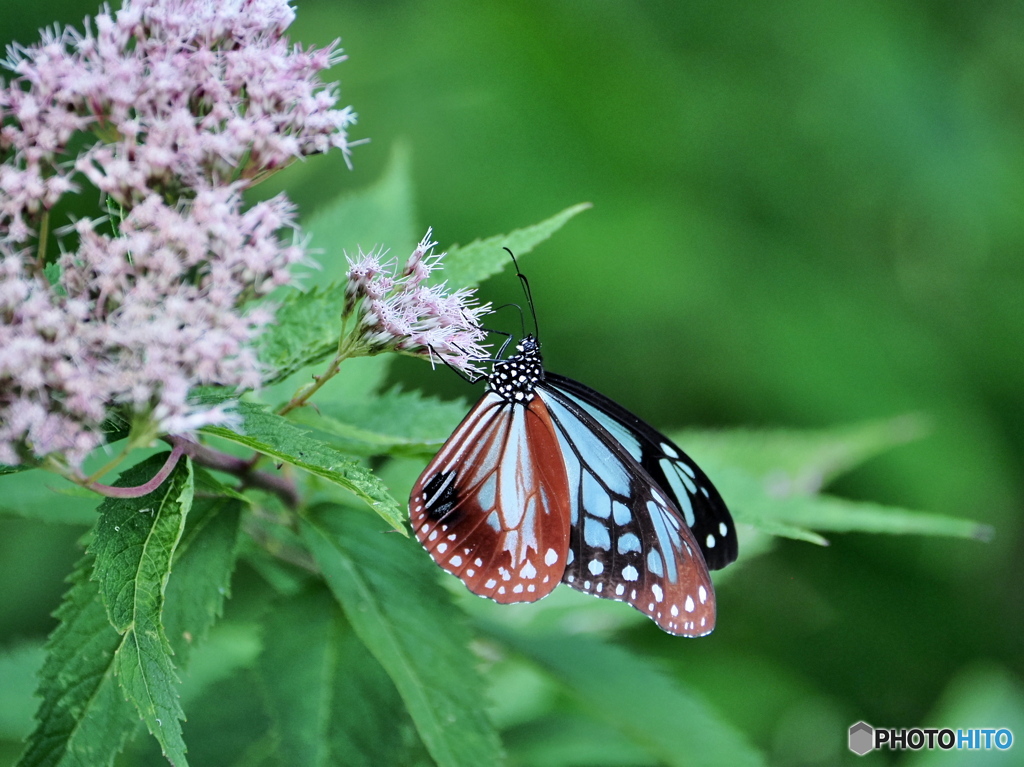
{"x":110,"y":465}
{"x":44,"y":237}
{"x":348,"y":346}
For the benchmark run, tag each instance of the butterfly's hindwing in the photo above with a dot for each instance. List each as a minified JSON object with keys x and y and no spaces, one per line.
{"x":628,"y":542}
{"x":671,"y":469}
{"x":492,"y":508}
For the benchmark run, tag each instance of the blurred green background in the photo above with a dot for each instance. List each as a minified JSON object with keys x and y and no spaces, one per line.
{"x":805,"y":214}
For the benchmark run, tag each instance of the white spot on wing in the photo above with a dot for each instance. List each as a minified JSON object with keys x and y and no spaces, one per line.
{"x":595,"y":567}
{"x":689,"y":606}
{"x":629,"y":573}
{"x":551,"y":557}
{"x":710,"y":541}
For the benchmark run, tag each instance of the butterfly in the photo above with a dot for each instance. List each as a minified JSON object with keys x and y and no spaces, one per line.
{"x":546,"y":481}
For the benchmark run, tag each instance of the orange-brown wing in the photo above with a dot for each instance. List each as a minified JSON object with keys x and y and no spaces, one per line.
{"x":492,"y":507}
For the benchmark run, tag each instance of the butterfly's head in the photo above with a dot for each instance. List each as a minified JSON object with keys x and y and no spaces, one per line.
{"x":529,"y":346}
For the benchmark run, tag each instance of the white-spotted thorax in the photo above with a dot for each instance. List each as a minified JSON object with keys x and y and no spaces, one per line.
{"x":514,"y":379}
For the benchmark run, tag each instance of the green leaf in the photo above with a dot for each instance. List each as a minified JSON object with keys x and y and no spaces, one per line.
{"x":393,"y":423}
{"x":803,"y":461}
{"x":201,"y":574}
{"x":305,"y":331}
{"x":841,"y":515}
{"x":329,"y":698}
{"x":380,"y":215}
{"x":279,"y":438}
{"x":134,"y":546}
{"x":770,"y":479}
{"x":388,"y":589}
{"x":634,"y":697}
{"x":472,"y":264}
{"x":47,"y":498}
{"x":754,"y":502}
{"x":53,"y":273}
{"x":227,"y":725}
{"x":780,"y":530}
{"x":84,"y":719}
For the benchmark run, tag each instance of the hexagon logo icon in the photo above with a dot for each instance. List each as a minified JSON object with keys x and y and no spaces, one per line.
{"x":862,"y":738}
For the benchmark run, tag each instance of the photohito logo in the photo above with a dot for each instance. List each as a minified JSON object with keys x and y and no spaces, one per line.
{"x":865,"y":738}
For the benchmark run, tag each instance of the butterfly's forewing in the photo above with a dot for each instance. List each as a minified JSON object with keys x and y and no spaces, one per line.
{"x":628,"y":541}
{"x":674,"y":472}
{"x":492,"y":508}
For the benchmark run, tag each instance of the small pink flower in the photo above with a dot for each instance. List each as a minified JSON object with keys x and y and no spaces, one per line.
{"x":398,"y":311}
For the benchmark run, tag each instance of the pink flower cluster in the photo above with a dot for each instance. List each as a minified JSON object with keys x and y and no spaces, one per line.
{"x":180,"y":93}
{"x":399,"y":311}
{"x":170,"y":109}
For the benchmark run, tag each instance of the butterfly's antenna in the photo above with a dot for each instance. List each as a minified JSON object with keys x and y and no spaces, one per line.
{"x":526,"y":289}
{"x":522,"y":321}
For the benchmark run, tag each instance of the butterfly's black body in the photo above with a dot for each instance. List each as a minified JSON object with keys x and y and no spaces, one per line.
{"x":514,"y":379}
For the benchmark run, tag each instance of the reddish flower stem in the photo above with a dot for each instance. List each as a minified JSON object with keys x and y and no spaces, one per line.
{"x":140,"y":490}
{"x":282,"y":487}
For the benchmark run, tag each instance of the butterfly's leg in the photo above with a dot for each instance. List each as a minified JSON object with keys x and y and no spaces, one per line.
{"x":463,"y":376}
